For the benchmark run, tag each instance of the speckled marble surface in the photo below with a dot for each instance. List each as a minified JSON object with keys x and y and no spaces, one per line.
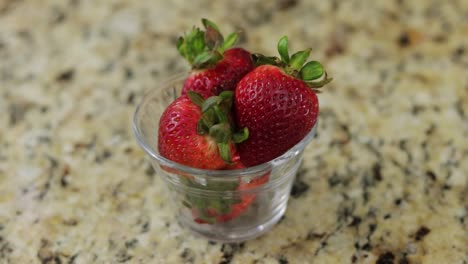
{"x":386,"y":180}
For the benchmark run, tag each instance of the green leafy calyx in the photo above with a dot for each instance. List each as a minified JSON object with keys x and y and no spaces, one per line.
{"x":215,"y":121}
{"x":204,"y":48}
{"x":296,"y":65}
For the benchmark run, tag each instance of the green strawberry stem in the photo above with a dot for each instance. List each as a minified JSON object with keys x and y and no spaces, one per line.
{"x":204,"y":48}
{"x":312,"y":72}
{"x":215,"y":123}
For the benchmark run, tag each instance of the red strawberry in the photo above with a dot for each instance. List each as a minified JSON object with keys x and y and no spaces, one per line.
{"x":197,"y":133}
{"x":236,"y":207}
{"x":246,"y":199}
{"x":277,"y":103}
{"x":216,"y":67}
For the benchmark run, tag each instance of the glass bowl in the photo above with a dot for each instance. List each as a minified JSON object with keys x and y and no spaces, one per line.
{"x":212,"y":203}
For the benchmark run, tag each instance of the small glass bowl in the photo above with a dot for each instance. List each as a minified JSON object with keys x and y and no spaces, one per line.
{"x":247,"y":212}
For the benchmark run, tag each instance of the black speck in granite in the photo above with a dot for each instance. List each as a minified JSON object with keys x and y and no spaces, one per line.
{"x":17,"y":111}
{"x":212,"y":243}
{"x":283,"y":260}
{"x":5,"y":248}
{"x":372,"y":228}
{"x":404,"y":40}
{"x":70,"y":222}
{"x":404,"y":260}
{"x":421,"y":233}
{"x":66,"y":76}
{"x":106,"y":154}
{"x":386,"y":258}
{"x":387,"y":216}
{"x":129,"y":75}
{"x":324,"y":242}
{"x":64,"y":176}
{"x":54,"y":163}
{"x":131,"y":98}
{"x":431,"y":175}
{"x":458,"y":52}
{"x":377,"y":171}
{"x":154,"y":73}
{"x":367,"y":247}
{"x":403,"y":145}
{"x":299,"y":187}
{"x":123,"y":256}
{"x":58,"y":16}
{"x":356,"y":221}
{"x":398,"y":201}
{"x":188,"y":255}
{"x":345,"y":210}
{"x":404,"y":169}
{"x":149,"y":171}
{"x":229,"y":250}
{"x":342,"y":141}
{"x":72,"y":259}
{"x":334,"y":180}
{"x":417,"y":109}
{"x":128,"y":150}
{"x":353,"y":259}
{"x":131,"y":243}
{"x":145,"y":227}
{"x":431,"y":129}
{"x":282,"y":219}
{"x":357,"y":246}
{"x":44,"y":109}
{"x":313,"y":235}
{"x":286,"y":4}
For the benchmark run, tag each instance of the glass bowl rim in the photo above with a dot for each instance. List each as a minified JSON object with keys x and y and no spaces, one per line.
{"x":260,"y":168}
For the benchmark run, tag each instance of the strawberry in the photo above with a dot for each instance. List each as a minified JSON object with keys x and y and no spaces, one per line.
{"x":277,"y":102}
{"x":216,"y":67}
{"x":197,"y":132}
{"x":246,"y":199}
{"x":234,"y":207}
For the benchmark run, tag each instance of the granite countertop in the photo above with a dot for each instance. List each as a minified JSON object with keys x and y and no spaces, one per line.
{"x":385,"y":181}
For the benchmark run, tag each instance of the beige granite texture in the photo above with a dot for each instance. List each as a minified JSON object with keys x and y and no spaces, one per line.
{"x":385,"y":181}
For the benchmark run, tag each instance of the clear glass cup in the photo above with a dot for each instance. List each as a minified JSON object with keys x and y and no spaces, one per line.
{"x":247,"y":212}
